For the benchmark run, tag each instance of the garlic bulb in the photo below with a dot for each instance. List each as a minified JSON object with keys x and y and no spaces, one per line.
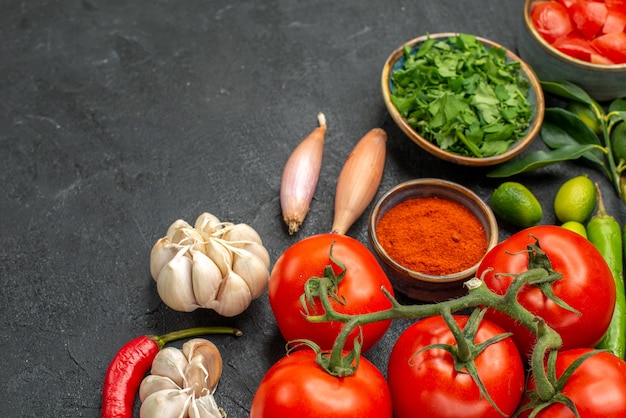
{"x":214,"y":265}
{"x":182,"y":382}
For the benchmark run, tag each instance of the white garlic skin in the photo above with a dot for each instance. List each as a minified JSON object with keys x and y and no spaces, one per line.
{"x":214,"y":265}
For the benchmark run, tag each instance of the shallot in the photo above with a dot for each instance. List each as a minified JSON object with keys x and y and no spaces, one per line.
{"x":300,"y":176}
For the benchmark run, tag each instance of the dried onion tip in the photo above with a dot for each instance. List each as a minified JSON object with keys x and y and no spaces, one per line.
{"x":214,"y":265}
{"x":300,"y":177}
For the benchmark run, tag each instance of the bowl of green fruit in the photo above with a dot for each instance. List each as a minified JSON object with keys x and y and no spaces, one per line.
{"x":463,"y":98}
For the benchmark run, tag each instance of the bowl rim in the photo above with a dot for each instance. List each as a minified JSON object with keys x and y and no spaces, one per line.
{"x":614,"y":68}
{"x":492,"y":238}
{"x":433,"y":149}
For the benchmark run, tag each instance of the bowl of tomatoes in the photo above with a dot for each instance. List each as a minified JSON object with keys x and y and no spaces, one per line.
{"x":580,"y":41}
{"x":463,"y":98}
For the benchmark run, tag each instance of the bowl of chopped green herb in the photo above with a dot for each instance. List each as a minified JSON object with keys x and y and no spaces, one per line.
{"x":462,"y":98}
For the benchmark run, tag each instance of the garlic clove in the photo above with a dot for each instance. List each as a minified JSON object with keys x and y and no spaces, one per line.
{"x":241,"y":232}
{"x":205,"y":407}
{"x":233,"y":297}
{"x":154,"y":383}
{"x":168,"y":403}
{"x":206,"y":278}
{"x":174,"y":283}
{"x":220,"y":255}
{"x":207,"y":224}
{"x":204,"y":370}
{"x":252,"y":270}
{"x":162,"y":253}
{"x":178,"y":231}
{"x":257,"y":249}
{"x":170,"y":362}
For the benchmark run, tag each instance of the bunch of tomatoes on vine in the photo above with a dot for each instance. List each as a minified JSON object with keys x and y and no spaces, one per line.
{"x":521,"y":343}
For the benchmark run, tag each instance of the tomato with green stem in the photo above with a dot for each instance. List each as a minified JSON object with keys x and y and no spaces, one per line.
{"x":358,"y":278}
{"x":432,"y":373}
{"x":296,"y":386}
{"x":594,"y":388}
{"x":578,"y":306}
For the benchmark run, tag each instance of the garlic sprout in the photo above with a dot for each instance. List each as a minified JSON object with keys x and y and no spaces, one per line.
{"x":214,"y":265}
{"x":182,"y":382}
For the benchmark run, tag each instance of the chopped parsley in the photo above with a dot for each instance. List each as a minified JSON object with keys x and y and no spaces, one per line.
{"x":465,"y":97}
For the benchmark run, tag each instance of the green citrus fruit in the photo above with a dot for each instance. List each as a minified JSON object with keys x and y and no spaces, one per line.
{"x":514,"y":203}
{"x":586,"y":114}
{"x":575,"y":200}
{"x":576,"y":227}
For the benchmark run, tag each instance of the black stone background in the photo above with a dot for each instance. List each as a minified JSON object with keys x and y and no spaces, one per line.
{"x":119,"y":117}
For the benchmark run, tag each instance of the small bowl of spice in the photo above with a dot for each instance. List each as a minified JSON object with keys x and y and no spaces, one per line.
{"x":430,"y":236}
{"x":462,"y":98}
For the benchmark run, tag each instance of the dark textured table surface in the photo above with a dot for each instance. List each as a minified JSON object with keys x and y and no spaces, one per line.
{"x":118,"y":117}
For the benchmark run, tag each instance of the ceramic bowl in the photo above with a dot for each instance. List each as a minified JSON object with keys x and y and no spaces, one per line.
{"x":601,"y":82}
{"x":396,"y":61}
{"x":414,"y":284}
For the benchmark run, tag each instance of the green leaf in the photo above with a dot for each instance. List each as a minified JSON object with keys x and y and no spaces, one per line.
{"x":561,"y":128}
{"x":539,"y":159}
{"x":567,"y":90}
{"x":618,"y":105}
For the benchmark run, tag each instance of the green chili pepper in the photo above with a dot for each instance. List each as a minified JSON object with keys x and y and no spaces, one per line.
{"x":606,"y":234}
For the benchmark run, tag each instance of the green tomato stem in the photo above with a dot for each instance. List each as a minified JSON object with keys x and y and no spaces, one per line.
{"x":161,"y":340}
{"x":478,"y":295}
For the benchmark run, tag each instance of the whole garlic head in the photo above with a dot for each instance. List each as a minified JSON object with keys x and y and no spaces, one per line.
{"x":182,"y":382}
{"x":214,"y":265}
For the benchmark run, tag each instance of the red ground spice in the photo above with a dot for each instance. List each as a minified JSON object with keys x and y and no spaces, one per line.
{"x":432,"y":235}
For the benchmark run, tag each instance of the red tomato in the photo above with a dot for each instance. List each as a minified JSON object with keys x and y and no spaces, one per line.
{"x":360,"y":287}
{"x":426,"y":384}
{"x":297,"y":387}
{"x":586,"y":285}
{"x":567,"y":3}
{"x":619,"y":5}
{"x":588,"y":17}
{"x":600,"y":59}
{"x":615,"y":21}
{"x":574,"y":46}
{"x":551,"y":20}
{"x":597,"y":387}
{"x":612,"y":46}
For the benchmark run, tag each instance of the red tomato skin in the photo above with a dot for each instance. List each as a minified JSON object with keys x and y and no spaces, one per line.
{"x":361,"y":287}
{"x":615,"y":21}
{"x":426,"y":384}
{"x":551,"y":20}
{"x":587,"y":286}
{"x":574,"y":46}
{"x":296,"y":386}
{"x":612,"y":46}
{"x":588,"y":17}
{"x":619,"y":5}
{"x":597,"y":387}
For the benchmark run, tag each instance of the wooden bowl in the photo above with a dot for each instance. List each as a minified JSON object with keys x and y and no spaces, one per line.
{"x":535,"y":97}
{"x":415,"y":284}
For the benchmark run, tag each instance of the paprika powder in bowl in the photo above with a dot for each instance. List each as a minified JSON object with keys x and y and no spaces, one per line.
{"x":429,"y":236}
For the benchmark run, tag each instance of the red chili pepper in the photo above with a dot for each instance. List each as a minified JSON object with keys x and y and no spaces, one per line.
{"x":132,"y":362}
